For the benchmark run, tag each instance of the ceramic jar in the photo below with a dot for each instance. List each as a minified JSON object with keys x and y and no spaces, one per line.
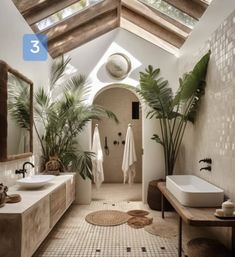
{"x":228,"y":208}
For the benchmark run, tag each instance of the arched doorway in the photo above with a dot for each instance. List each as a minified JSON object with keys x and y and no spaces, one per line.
{"x":125,"y":104}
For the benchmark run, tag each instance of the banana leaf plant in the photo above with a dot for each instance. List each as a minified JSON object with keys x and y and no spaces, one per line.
{"x":173,"y":111}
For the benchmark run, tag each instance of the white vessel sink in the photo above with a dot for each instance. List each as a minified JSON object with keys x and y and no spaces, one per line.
{"x":193,"y":191}
{"x":35,"y":181}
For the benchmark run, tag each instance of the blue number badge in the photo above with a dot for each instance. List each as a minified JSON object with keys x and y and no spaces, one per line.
{"x":35,"y":47}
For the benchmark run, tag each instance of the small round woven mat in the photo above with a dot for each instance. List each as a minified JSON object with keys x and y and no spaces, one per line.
{"x":139,"y":222}
{"x":107,"y":218}
{"x":162,"y":228}
{"x":138,"y":213}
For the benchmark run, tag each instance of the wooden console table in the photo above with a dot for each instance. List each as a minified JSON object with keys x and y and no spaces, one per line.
{"x":195,"y":217}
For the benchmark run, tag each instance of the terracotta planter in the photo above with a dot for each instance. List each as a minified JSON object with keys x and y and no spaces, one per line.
{"x":154,"y":197}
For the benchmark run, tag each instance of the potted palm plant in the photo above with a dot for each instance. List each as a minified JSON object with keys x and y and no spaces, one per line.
{"x":61,"y":113}
{"x":173,"y":112}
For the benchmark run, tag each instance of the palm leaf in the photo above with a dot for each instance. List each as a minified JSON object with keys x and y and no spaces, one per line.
{"x":58,"y":69}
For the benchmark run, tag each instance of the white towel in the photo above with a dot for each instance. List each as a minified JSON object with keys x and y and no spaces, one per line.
{"x":129,"y":157}
{"x":97,"y":160}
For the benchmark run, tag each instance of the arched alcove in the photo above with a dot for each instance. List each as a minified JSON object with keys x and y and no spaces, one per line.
{"x":124,"y":103}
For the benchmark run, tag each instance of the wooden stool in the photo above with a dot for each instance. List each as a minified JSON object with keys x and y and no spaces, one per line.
{"x":205,"y":247}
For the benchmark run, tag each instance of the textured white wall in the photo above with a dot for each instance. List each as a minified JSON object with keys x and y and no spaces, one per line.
{"x":213,"y":134}
{"x":12,"y":28}
{"x":90,"y":59}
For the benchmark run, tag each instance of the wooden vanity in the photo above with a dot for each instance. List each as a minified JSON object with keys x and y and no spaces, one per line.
{"x":24,"y":225}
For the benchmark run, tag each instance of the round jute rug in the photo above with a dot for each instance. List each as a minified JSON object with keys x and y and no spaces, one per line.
{"x":163,"y":228}
{"x":107,"y":218}
{"x":139,"y":222}
{"x":138,"y":213}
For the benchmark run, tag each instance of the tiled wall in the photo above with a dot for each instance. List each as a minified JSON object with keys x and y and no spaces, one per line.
{"x":213,"y":134}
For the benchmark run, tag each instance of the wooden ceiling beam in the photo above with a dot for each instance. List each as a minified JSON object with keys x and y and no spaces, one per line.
{"x":157,"y":17}
{"x":84,"y":33}
{"x":152,"y":27}
{"x":191,"y":8}
{"x":203,"y":3}
{"x":25,"y":6}
{"x":81,"y":18}
{"x":47,"y":10}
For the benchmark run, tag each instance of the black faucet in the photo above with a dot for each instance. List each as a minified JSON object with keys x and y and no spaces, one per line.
{"x":206,"y":160}
{"x":206,"y":168}
{"x":23,"y":171}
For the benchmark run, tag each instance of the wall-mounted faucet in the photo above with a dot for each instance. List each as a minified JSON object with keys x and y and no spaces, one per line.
{"x":23,"y":170}
{"x":206,"y":168}
{"x":206,"y":160}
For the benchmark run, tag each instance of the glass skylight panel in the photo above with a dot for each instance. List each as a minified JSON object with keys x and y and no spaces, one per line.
{"x":65,"y":13}
{"x":171,"y":11}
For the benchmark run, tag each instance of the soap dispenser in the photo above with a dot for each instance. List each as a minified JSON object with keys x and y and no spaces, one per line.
{"x":228,"y":208}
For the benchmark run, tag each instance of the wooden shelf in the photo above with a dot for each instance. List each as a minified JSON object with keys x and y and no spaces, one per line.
{"x":195,"y":216}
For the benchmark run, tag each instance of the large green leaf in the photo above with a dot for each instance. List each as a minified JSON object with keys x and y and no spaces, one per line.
{"x":155,"y":91}
{"x":192,"y":81}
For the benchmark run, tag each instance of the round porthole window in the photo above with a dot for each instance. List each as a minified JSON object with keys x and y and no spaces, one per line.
{"x":118,"y":65}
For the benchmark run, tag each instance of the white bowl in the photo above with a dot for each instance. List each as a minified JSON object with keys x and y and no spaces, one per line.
{"x":35,"y":181}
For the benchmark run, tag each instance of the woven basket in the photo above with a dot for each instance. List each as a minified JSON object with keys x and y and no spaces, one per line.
{"x":205,"y":247}
{"x":154,"y":197}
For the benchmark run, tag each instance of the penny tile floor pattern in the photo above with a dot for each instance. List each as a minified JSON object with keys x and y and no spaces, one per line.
{"x":74,"y":237}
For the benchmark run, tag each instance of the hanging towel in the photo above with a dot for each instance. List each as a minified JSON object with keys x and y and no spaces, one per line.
{"x":97,"y":160}
{"x":129,"y":157}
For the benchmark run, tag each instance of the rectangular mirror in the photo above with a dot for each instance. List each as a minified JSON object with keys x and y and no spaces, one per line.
{"x":16,"y":114}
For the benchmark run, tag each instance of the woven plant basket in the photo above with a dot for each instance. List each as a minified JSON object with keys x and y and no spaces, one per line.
{"x":154,"y":197}
{"x":205,"y":247}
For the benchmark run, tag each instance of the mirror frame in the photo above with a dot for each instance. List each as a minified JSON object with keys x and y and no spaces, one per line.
{"x":4,"y":69}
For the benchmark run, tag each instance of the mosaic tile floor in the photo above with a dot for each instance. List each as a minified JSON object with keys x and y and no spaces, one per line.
{"x":74,"y":237}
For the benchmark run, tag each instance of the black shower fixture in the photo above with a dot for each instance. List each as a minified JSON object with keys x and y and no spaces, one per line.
{"x":115,"y":142}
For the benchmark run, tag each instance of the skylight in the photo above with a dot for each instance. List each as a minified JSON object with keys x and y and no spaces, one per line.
{"x":171,"y":11}
{"x":65,"y":13}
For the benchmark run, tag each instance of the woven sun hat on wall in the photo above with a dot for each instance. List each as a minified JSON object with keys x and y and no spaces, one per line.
{"x":107,"y":218}
{"x":118,"y":65}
